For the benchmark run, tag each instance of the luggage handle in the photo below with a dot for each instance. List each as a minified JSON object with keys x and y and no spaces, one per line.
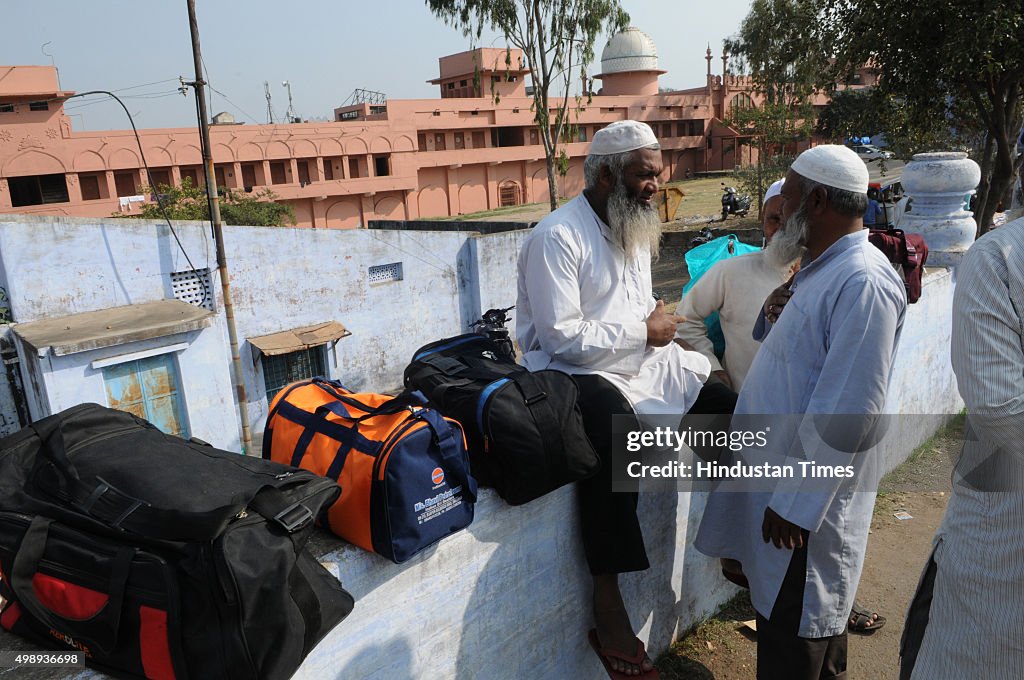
{"x":399,"y":403}
{"x":445,"y":435}
{"x":99,"y":630}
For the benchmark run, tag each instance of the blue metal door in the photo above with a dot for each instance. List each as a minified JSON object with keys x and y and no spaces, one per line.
{"x":150,"y":389}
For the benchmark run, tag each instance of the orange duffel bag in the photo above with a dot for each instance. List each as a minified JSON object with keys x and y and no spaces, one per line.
{"x":402,"y":467}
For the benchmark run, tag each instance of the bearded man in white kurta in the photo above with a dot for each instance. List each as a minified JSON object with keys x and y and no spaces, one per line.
{"x":585,"y":306}
{"x":801,"y":544}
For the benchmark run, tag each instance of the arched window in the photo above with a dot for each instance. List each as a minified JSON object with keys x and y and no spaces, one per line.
{"x":741,"y":101}
{"x":509,"y":194}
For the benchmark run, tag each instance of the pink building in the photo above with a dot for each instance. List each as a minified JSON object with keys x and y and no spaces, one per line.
{"x":474,"y":148}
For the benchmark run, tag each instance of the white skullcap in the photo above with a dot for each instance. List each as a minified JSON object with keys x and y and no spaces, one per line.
{"x":833,"y":165}
{"x":622,"y":136}
{"x":774,"y":190}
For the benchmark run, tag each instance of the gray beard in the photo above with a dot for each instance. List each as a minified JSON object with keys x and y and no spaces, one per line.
{"x":634,"y":226}
{"x":787,"y":245}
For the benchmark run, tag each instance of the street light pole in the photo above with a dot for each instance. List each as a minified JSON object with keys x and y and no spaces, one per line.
{"x":218,"y":230}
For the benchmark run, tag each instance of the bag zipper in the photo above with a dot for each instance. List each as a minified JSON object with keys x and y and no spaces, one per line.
{"x":58,"y":569}
{"x":100,"y":437}
{"x":481,"y":405}
{"x":392,"y":441}
{"x":244,"y":518}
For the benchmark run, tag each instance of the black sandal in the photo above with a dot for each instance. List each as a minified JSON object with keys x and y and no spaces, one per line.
{"x":860,"y":620}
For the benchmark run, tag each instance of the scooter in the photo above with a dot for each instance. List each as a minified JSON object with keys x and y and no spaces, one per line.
{"x":734,"y":203}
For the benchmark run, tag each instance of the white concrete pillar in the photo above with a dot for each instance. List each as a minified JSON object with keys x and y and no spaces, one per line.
{"x":938,"y":184}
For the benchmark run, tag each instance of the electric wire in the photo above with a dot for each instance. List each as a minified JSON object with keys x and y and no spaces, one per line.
{"x":445,"y":269}
{"x":135,"y":87}
{"x":149,"y":176}
{"x":206,"y":73}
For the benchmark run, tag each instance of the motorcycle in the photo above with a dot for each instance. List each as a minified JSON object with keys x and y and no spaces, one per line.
{"x":492,"y":325}
{"x":705,"y":235}
{"x":734,"y":203}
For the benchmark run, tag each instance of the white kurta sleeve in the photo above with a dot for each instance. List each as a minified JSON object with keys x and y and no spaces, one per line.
{"x":848,"y":397}
{"x":706,"y":296}
{"x":987,"y":354}
{"x":553,"y":286}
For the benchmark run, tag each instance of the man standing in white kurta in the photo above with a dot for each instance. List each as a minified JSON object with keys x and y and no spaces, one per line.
{"x":585,"y":306}
{"x":801,"y":542}
{"x":967,"y":619}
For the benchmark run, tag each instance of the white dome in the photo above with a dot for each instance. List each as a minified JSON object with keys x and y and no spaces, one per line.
{"x":631,"y":50}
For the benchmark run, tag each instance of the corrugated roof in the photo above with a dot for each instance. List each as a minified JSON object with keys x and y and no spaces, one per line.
{"x":300,"y":338}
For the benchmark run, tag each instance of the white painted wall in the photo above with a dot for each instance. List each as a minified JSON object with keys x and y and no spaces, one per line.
{"x":505,"y":599}
{"x":203,"y":368}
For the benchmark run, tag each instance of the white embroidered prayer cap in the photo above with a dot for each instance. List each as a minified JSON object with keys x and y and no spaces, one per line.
{"x":622,"y":136}
{"x":774,"y":190}
{"x":833,"y":165}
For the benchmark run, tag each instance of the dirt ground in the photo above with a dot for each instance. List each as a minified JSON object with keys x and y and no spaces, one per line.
{"x":723,"y":649}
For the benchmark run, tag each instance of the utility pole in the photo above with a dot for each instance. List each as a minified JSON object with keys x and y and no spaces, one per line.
{"x":218,"y":230}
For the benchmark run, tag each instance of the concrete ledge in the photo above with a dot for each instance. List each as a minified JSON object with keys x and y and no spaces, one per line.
{"x":481,"y":226}
{"x":508,"y":598}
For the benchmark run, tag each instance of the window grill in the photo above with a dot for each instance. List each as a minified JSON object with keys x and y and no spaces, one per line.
{"x":283,"y":369}
{"x":386,"y":272}
{"x":193,"y":287}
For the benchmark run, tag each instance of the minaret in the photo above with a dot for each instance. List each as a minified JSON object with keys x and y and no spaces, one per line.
{"x":725,"y":78}
{"x":708,"y":57}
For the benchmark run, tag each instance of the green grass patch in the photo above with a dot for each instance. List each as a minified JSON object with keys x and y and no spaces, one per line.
{"x":682,"y":660}
{"x":510,"y":211}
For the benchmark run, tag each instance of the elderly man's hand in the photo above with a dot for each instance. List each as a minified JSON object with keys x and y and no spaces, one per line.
{"x":781,"y":532}
{"x":661,"y":326}
{"x":776,"y":301}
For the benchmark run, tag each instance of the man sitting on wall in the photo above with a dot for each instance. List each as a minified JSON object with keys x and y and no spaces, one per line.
{"x":585,"y":306}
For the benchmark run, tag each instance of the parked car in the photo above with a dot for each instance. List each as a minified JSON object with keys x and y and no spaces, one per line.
{"x":870,"y":152}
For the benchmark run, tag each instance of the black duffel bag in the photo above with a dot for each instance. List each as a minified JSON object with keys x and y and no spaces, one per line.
{"x":524,"y":430}
{"x":160,"y":557}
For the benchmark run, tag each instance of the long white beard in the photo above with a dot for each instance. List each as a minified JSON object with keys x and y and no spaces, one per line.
{"x":788,"y":243}
{"x":634,"y":225}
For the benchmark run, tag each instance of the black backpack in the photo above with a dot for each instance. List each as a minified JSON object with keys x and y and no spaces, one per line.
{"x":524,"y":430}
{"x":160,"y":557}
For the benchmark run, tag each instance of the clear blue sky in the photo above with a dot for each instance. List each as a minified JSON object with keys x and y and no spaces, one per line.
{"x":324,"y":48}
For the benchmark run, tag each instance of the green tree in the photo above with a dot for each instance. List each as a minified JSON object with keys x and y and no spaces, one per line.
{"x":770,"y":128}
{"x":557,"y":39}
{"x":950,"y":69}
{"x":189,"y":202}
{"x":954,"y":63}
{"x":852,"y":113}
{"x":769,"y":49}
{"x":755,"y":180}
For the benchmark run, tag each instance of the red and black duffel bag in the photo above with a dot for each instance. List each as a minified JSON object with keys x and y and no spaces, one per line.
{"x":908,"y":254}
{"x":159,"y":557}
